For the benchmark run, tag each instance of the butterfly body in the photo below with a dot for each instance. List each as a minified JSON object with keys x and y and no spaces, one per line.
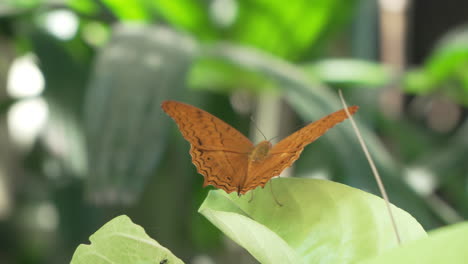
{"x":228,"y":160}
{"x":260,"y":152}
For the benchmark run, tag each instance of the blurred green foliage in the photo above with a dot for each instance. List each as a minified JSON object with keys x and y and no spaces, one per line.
{"x":107,"y":149}
{"x":445,"y":71}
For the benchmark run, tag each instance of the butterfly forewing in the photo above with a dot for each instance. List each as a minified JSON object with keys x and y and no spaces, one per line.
{"x":308,"y":134}
{"x":204,"y":130}
{"x":288,"y":150}
{"x":219,"y":151}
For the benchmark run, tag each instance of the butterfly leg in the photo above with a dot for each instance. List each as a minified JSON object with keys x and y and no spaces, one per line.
{"x":272,"y":194}
{"x":251,"y":196}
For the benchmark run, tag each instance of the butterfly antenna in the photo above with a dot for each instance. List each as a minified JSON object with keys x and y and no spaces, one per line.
{"x":272,"y":194}
{"x":255,"y":124}
{"x":373,"y":168}
{"x":271,"y":139}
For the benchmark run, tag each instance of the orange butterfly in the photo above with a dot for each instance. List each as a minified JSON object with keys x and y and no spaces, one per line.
{"x":229,"y":160}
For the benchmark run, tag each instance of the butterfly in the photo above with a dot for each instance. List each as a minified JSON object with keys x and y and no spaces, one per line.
{"x":230,"y":161}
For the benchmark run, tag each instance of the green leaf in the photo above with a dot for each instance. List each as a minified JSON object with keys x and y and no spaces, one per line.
{"x":350,"y":73}
{"x":129,"y":10}
{"x":64,"y":67}
{"x":444,"y":245}
{"x":126,"y":129}
{"x":319,"y":222}
{"x":218,"y":76}
{"x":84,"y":6}
{"x":288,"y":30}
{"x":445,"y":70}
{"x":21,"y":4}
{"x":192,"y":16}
{"x":122,"y":241}
{"x":445,"y":62}
{"x":417,"y":81}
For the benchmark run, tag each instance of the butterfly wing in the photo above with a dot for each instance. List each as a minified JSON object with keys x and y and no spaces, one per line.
{"x":288,"y":150}
{"x":219,"y":151}
{"x":222,"y":169}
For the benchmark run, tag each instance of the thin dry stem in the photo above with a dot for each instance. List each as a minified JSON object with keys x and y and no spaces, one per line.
{"x":374,"y":169}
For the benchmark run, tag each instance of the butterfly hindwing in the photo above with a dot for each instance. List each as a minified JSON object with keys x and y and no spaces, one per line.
{"x":259,"y":173}
{"x":223,"y":170}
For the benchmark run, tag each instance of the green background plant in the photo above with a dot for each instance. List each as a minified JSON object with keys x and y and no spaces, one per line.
{"x":108,"y":150}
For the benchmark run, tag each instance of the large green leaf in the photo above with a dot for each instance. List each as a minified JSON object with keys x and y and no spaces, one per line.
{"x":122,"y":241}
{"x":65,"y":73}
{"x":126,"y":129}
{"x":319,"y":222}
{"x":444,"y":245}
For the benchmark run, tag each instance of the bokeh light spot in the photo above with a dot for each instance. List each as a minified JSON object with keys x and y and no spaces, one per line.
{"x":24,"y":78}
{"x":63,"y":24}
{"x":26,"y":119}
